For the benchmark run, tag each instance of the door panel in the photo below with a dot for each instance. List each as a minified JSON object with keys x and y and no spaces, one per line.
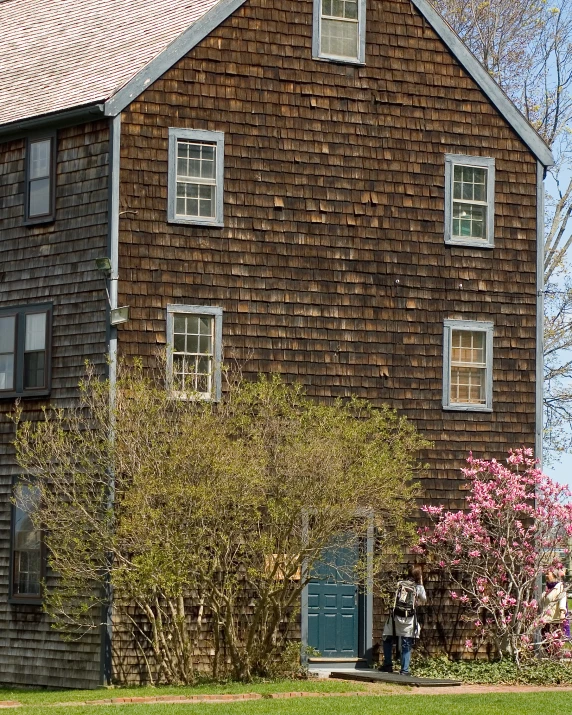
{"x":333,"y":606}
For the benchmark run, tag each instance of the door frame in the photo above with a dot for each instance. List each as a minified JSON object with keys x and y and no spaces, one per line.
{"x":365,"y":607}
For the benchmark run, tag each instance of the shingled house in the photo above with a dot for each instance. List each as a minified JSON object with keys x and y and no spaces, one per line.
{"x":333,"y":189}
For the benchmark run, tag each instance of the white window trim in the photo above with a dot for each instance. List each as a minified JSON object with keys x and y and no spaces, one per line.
{"x":217,"y":347}
{"x":452,"y":160}
{"x":473,"y":326}
{"x":197,"y":135}
{"x":317,"y":37}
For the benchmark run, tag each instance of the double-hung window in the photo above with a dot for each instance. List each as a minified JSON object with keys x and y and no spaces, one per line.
{"x":339,"y":30}
{"x":40,"y":179}
{"x":196,"y":177}
{"x":25,"y":333}
{"x":27,"y":556}
{"x":194,"y":351}
{"x":469,"y":200}
{"x":467,"y":365}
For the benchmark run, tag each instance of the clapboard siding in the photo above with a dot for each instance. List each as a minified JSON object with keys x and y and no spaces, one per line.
{"x":53,"y":263}
{"x":351,"y":279}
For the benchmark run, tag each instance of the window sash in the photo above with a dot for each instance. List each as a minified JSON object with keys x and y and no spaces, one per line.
{"x":469,"y":221}
{"x":40,"y":179}
{"x":194,"y":196}
{"x":7,"y":352}
{"x":194,"y":336}
{"x":26,"y":370}
{"x":338,"y":37}
{"x":27,"y":554}
{"x":467,"y":365}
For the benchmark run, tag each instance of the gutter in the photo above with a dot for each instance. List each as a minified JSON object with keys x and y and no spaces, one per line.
{"x":69,"y":117}
{"x":113,"y":252}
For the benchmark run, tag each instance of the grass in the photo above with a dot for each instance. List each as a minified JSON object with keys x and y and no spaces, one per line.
{"x":489,"y":704}
{"x":46,"y":697}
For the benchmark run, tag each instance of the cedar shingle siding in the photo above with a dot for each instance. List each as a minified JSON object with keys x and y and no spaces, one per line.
{"x":331,"y":266}
{"x":53,"y":263}
{"x":351,"y":278}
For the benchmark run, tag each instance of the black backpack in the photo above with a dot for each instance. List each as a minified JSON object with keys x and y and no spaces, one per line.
{"x":405,"y":599}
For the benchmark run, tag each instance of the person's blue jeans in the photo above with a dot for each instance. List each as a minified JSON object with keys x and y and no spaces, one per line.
{"x":406,"y":647}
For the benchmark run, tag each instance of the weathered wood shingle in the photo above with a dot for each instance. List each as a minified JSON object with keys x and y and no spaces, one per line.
{"x":53,"y":263}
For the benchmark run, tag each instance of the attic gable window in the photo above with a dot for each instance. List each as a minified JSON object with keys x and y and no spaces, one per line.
{"x":467,"y":365}
{"x":40,"y":179}
{"x":469,"y":201}
{"x":339,"y":30}
{"x":196,"y":169}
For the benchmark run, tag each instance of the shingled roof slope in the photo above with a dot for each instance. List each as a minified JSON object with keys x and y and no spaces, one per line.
{"x":59,"y":54}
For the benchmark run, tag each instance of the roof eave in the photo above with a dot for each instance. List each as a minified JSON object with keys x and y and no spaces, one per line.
{"x":487,"y":84}
{"x":66,"y":117}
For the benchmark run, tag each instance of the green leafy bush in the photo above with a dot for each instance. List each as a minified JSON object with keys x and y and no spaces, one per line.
{"x":500,"y":672}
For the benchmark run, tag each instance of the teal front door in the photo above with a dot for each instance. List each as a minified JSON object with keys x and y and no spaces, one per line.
{"x":333,"y":606}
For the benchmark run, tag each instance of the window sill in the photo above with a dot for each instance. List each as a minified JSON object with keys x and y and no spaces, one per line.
{"x":467,"y":408}
{"x":195,"y":222}
{"x":468,"y":244}
{"x":40,"y":221}
{"x":340,"y":60}
{"x":15,"y":601}
{"x":24,"y":395}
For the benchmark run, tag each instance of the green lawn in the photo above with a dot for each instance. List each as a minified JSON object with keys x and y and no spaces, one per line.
{"x":39,"y":697}
{"x":489,"y":704}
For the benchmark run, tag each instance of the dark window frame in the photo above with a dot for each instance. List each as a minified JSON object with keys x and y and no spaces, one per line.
{"x":24,"y":599}
{"x":20,"y":311}
{"x":51,"y":215}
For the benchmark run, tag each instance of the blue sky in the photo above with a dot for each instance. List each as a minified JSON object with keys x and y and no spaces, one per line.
{"x":562,"y":471}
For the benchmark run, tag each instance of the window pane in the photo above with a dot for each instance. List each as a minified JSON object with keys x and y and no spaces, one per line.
{"x":39,"y":197}
{"x":470,"y":183}
{"x":34,"y":369}
{"x":340,"y":38}
{"x":40,"y":159}
{"x":193,"y":372}
{"x":469,"y":220}
{"x":205,"y":345}
{"x":179,"y":343}
{"x":27,"y":544}
{"x":196,"y":200}
{"x":35,"y":331}
{"x":340,"y":8}
{"x":468,"y":346}
{"x":193,"y":324}
{"x":468,"y":385}
{"x":193,"y":344}
{"x":196,"y":160}
{"x":7,"y":332}
{"x":179,"y":322}
{"x":6,"y":372}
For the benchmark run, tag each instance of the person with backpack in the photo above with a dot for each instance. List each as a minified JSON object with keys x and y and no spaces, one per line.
{"x":402,"y":622}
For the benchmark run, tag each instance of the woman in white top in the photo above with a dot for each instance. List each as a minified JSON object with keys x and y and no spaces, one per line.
{"x":553,"y":603}
{"x":406,"y":627}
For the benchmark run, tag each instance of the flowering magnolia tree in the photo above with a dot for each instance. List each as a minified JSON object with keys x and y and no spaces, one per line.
{"x":516,"y":524}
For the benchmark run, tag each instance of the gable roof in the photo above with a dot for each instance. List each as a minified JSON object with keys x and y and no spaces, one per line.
{"x":58,"y":54}
{"x":75,"y":53}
